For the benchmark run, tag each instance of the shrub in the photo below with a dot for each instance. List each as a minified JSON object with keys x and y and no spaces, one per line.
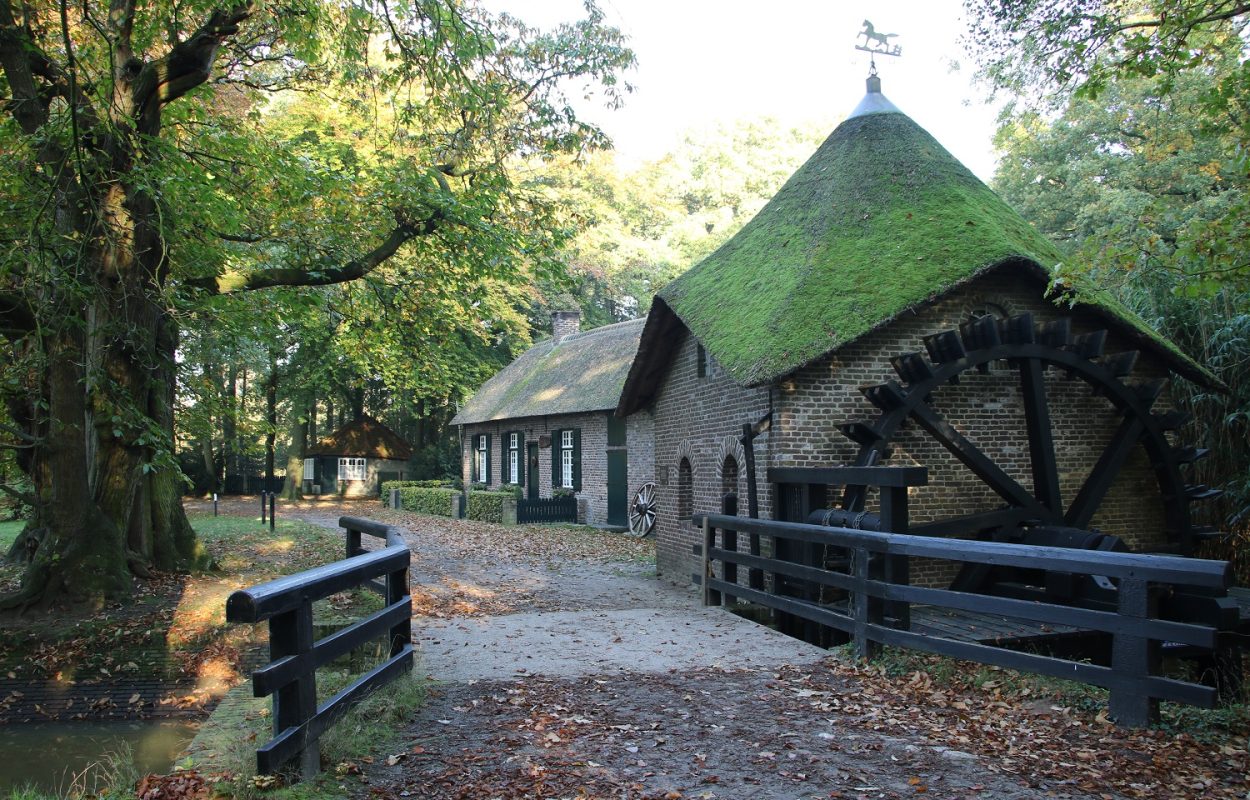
{"x":388,"y":485}
{"x":513,"y":489}
{"x":563,"y":491}
{"x":427,"y":500}
{"x":487,"y":506}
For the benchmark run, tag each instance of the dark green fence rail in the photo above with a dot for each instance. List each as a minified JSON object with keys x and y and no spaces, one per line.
{"x":290,"y":677}
{"x":877,"y":611}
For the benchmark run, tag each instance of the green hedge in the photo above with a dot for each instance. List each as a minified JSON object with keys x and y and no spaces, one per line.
{"x":427,"y":500}
{"x":487,"y":506}
{"x":388,"y":485}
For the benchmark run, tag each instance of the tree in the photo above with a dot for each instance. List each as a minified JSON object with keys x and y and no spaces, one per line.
{"x":142,"y":173}
{"x":1145,"y":186}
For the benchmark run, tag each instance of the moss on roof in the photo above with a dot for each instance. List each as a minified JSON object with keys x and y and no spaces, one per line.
{"x":364,"y":437}
{"x":582,"y":372}
{"x":880,"y":219}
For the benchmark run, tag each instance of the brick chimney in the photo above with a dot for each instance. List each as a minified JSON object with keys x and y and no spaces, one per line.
{"x":565,"y":323}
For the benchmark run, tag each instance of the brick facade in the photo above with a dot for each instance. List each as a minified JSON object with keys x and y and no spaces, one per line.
{"x":696,"y":418}
{"x":593,"y":497}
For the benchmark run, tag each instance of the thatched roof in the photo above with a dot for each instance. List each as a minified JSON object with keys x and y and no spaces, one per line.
{"x":364,"y":437}
{"x":582,"y":372}
{"x":881,"y":219}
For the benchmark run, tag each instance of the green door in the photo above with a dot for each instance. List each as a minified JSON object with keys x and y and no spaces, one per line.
{"x":531,"y":471}
{"x":618,"y":486}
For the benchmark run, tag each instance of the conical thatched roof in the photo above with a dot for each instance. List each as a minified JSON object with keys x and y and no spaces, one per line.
{"x":363,"y":437}
{"x":879,"y":220}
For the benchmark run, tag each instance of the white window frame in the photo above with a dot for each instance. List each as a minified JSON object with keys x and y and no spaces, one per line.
{"x":351,"y":468}
{"x":514,"y":456}
{"x":310,"y":466}
{"x":566,"y":459}
{"x":480,"y":456}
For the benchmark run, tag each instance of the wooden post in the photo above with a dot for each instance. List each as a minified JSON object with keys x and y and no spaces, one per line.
{"x":1134,"y":657}
{"x":291,"y":634}
{"x":396,"y":590}
{"x":865,"y":610}
{"x":755,"y":577}
{"x":897,"y":568}
{"x":729,"y":541}
{"x":262,"y":506}
{"x":710,"y":597}
{"x":272,"y":516}
{"x":395,"y":501}
{"x":353,"y":542}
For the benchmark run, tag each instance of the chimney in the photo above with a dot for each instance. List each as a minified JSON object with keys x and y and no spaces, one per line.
{"x":565,"y":323}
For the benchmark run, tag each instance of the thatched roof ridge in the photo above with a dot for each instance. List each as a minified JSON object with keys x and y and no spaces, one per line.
{"x":363,"y":437}
{"x":581,"y":372}
{"x":881,"y":219}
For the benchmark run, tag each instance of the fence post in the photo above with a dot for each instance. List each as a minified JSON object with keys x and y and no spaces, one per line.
{"x":729,"y":541}
{"x":272,"y":514}
{"x":395,"y":501}
{"x":1134,"y":657}
{"x":897,"y":568}
{"x":353,"y":542}
{"x":396,"y":590}
{"x":262,"y":506}
{"x":866,"y":609}
{"x":291,"y":634}
{"x":710,"y":597}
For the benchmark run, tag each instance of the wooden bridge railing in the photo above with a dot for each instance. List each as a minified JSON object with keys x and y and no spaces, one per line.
{"x":1134,"y":675}
{"x":290,"y":677}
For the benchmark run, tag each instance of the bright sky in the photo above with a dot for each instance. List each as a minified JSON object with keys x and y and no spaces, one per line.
{"x":706,"y":61}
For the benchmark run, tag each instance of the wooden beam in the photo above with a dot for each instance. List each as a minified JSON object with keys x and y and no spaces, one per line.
{"x":1041,"y":438}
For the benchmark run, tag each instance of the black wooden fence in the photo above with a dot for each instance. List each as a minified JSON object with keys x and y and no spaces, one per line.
{"x":879,"y":602}
{"x":546,"y":509}
{"x":290,"y":677}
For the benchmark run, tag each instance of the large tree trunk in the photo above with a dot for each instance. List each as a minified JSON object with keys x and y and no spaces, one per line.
{"x":298,"y":432}
{"x":271,"y":422}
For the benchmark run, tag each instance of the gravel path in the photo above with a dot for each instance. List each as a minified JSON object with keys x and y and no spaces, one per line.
{"x":564,"y":668}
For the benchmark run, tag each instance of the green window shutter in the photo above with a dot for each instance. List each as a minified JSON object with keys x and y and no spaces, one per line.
{"x":555,"y":460}
{"x":486,"y":480}
{"x":519,"y":477}
{"x":577,"y":459}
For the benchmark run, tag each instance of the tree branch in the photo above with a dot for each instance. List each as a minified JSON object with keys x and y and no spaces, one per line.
{"x":241,"y":281}
{"x":189,"y":63}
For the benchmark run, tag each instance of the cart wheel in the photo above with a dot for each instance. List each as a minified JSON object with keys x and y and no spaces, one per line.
{"x":642,"y":511}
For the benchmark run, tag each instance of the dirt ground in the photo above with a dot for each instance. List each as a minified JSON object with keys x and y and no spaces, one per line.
{"x":564,"y":669}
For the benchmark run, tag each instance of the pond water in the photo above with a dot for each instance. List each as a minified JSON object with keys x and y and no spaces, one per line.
{"x":50,"y":755}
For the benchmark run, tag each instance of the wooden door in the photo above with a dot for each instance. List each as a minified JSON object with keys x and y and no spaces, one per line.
{"x":531,"y":470}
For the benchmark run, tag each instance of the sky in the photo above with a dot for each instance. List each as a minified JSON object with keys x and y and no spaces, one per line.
{"x":701,"y":62}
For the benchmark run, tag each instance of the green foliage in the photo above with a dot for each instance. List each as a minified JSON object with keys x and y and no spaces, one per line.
{"x":388,"y":485}
{"x":514,"y":489}
{"x":434,"y":501}
{"x":1148,"y":198}
{"x":487,"y":506}
{"x":563,"y":491}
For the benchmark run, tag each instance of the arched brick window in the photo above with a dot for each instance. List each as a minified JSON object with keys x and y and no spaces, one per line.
{"x":685,"y":490}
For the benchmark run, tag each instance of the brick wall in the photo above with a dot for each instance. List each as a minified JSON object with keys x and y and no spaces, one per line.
{"x":694,"y":415}
{"x":700,"y":419}
{"x":593,"y":497}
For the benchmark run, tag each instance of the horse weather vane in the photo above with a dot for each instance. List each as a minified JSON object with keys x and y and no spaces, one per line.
{"x":878,"y":44}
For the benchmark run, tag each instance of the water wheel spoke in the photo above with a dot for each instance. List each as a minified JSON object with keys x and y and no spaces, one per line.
{"x":974,"y":459}
{"x":999,"y":519}
{"x":1041,"y":438}
{"x":1100,"y":478}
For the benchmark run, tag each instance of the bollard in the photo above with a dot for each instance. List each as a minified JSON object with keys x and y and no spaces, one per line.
{"x":214,"y":504}
{"x":272,"y":515}
{"x":262,"y":506}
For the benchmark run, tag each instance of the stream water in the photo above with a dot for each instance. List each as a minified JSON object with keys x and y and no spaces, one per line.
{"x":53,"y":756}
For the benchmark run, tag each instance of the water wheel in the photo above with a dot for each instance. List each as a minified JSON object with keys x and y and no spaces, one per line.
{"x":1027,"y":350}
{"x":642,"y":511}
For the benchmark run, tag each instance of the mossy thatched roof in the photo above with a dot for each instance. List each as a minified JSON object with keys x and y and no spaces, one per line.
{"x":364,"y":437}
{"x":582,"y":372}
{"x":879,"y":220}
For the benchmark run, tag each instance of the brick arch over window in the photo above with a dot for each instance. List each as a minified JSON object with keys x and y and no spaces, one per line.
{"x":977,"y":305}
{"x":729,"y":448}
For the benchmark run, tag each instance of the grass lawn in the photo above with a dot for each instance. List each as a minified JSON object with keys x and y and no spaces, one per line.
{"x":173,"y":626}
